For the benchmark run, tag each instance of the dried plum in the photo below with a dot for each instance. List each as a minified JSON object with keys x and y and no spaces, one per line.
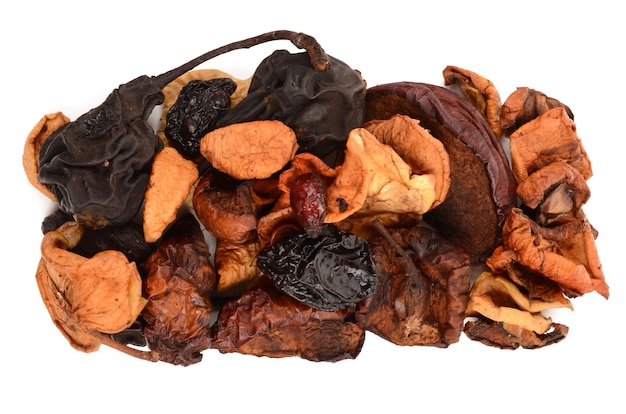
{"x":322,"y":107}
{"x":332,"y":271}
{"x":199,"y":106}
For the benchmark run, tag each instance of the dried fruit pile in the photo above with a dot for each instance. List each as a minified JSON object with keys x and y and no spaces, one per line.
{"x":337,"y":209}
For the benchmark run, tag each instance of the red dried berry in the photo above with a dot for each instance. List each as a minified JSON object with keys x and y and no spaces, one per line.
{"x":308,"y":201}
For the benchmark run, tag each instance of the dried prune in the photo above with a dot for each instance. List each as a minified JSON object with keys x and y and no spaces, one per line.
{"x":322,"y":107}
{"x":332,"y":271}
{"x":199,"y":106}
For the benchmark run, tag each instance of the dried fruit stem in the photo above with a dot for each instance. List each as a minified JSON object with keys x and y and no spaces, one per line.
{"x":410,"y":266}
{"x":137,"y":353}
{"x":319,"y":59}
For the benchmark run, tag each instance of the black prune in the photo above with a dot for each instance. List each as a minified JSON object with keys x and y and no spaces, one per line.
{"x":199,"y":106}
{"x":330,"y":272}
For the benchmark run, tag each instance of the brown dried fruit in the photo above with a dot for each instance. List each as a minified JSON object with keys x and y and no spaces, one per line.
{"x":171,"y":180}
{"x":266,"y":322}
{"x":420,"y":150}
{"x":480,"y":91}
{"x":226,"y":207}
{"x":512,"y":337}
{"x":250,"y":150}
{"x":549,"y":138}
{"x":424,"y":283}
{"x":30,"y":158}
{"x":538,"y":248}
{"x":500,"y":300}
{"x":524,"y":105}
{"x":236,"y":264}
{"x":88,"y":297}
{"x":178,"y":286}
{"x":373,"y":179}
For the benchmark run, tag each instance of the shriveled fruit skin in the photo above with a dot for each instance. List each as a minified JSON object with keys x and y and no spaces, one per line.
{"x":482,"y":190}
{"x":266,"y":322}
{"x":179,"y":283}
{"x":308,"y":200}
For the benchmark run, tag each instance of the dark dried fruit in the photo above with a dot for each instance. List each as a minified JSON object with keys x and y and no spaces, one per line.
{"x":199,"y":106}
{"x":423,"y":289}
{"x":330,"y":272}
{"x":321,"y":107}
{"x":308,"y":201}
{"x":180,"y":280}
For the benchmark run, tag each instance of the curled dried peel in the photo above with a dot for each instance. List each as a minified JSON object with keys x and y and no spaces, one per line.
{"x":480,"y":91}
{"x":236,"y":263}
{"x":172,"y":90}
{"x":46,"y":126}
{"x":171,"y":181}
{"x":418,"y":148}
{"x":87,"y":297}
{"x":373,"y":178}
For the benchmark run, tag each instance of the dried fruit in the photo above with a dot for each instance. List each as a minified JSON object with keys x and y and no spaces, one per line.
{"x":88,"y":297}
{"x":524,"y":105}
{"x":266,"y":322}
{"x":40,"y":132}
{"x":226,"y":207}
{"x":308,"y":201}
{"x":423,"y":288}
{"x":178,"y":286}
{"x":330,"y":272}
{"x":546,"y":139}
{"x":171,"y":180}
{"x":199,"y":106}
{"x":250,"y":150}
{"x":322,"y":107}
{"x":480,"y":91}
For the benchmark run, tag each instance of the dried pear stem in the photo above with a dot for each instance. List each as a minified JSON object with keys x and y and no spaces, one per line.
{"x":137,"y":353}
{"x":319,"y":58}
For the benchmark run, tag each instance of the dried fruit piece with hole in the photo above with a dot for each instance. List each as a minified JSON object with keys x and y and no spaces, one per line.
{"x":480,"y":91}
{"x":171,"y":180}
{"x":524,"y":105}
{"x":35,"y":139}
{"x":549,"y":138}
{"x":266,"y":322}
{"x":180,"y":279}
{"x":88,"y":297}
{"x":420,"y":150}
{"x":250,"y":150}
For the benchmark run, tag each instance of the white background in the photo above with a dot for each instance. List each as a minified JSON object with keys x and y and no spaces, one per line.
{"x":61,"y":56}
